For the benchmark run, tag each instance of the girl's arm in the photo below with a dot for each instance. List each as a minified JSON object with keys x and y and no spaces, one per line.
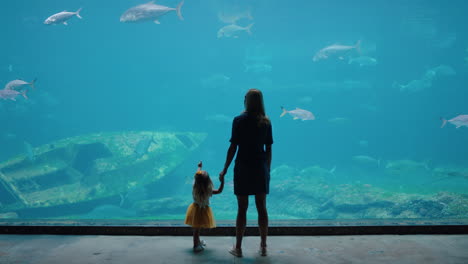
{"x":200,"y":165}
{"x":220,"y":190}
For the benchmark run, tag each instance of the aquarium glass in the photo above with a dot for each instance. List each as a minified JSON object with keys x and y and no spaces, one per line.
{"x":106,"y":107}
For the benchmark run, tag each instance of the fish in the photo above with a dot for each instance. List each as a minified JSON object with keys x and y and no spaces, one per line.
{"x":439,"y":71}
{"x":10,"y":68}
{"x":298,"y":114}
{"x":233,"y":30}
{"x":458,"y":121}
{"x":28,"y":149}
{"x":337,"y":50}
{"x":62,"y":17}
{"x":414,"y":85}
{"x":444,"y":70}
{"x":363,"y":61}
{"x":406,"y":165}
{"x":142,"y":146}
{"x":234,"y":17}
{"x":8,"y":94}
{"x":149,"y":12}
{"x":430,"y":75}
{"x":215,"y":81}
{"x":18,"y":84}
{"x":258,"y":67}
{"x":426,"y":80}
{"x":366,"y":159}
{"x":444,"y":174}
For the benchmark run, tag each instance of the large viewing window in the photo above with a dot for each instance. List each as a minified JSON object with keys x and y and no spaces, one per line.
{"x":103,"y":119}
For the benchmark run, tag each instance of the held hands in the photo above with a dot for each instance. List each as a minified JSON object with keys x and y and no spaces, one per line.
{"x":221,"y":175}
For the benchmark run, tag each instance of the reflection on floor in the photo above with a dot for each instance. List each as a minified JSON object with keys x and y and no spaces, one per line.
{"x":282,"y":249}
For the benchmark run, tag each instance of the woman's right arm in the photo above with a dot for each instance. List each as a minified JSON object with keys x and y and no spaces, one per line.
{"x":220,"y":189}
{"x":229,"y":157}
{"x":268,"y":156}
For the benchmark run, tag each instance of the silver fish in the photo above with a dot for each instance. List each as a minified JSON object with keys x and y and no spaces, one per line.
{"x":366,"y":160}
{"x":405,"y":166}
{"x":7,"y":94}
{"x":62,"y":17}
{"x":17,"y":84}
{"x":233,"y":30}
{"x":336,"y":50}
{"x":298,"y":114}
{"x":444,"y":70}
{"x":28,"y":149}
{"x":149,"y":12}
{"x":414,"y":85}
{"x":459,"y":121}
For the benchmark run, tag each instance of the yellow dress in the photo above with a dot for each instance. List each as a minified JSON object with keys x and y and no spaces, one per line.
{"x":199,"y":215}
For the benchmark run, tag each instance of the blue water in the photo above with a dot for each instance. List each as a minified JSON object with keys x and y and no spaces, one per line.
{"x":98,"y":74}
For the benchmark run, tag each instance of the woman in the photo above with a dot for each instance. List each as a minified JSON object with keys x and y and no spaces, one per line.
{"x":251,"y":133}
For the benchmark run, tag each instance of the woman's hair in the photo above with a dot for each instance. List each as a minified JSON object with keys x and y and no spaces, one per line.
{"x":254,"y":105}
{"x":203,"y":186}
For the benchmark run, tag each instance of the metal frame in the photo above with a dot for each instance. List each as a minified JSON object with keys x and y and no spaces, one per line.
{"x":227,"y":228}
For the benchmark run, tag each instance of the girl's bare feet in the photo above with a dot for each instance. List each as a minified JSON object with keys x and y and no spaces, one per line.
{"x":263,"y":251}
{"x":198,"y":248}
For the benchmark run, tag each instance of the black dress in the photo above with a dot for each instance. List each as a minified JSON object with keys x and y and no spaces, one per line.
{"x":251,"y":172}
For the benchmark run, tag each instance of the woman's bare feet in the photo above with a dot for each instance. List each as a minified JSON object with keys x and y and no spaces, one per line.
{"x":236,"y":252}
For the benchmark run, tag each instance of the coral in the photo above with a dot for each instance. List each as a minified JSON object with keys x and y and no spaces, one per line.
{"x":307,"y":194}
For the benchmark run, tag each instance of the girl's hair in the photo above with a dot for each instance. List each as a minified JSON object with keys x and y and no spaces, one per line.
{"x":203,"y":186}
{"x":254,"y":105}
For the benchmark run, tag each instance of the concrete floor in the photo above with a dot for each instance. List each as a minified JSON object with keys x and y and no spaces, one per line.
{"x":412,"y":249}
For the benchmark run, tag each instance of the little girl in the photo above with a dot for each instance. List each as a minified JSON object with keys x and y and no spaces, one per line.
{"x":199,"y":214}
